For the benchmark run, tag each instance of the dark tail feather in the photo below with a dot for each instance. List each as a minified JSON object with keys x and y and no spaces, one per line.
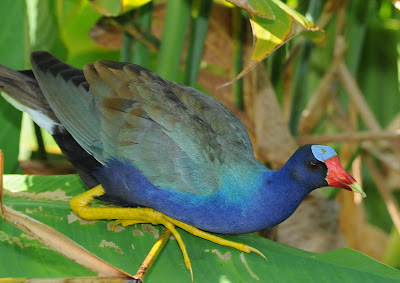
{"x":23,"y":88}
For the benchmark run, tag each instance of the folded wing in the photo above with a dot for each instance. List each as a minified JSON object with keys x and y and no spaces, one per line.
{"x":177,"y":136}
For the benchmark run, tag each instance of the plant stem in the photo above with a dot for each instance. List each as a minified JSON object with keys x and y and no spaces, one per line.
{"x":141,"y":55}
{"x":176,"y":22}
{"x":42,"y":155}
{"x":126,"y":50}
{"x":199,"y":25}
{"x":300,"y":76}
{"x":237,"y":57}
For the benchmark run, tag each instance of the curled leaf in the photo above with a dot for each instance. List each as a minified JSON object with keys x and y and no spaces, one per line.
{"x":270,"y":33}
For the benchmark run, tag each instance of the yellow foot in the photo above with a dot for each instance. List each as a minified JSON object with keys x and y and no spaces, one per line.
{"x":128,"y":216}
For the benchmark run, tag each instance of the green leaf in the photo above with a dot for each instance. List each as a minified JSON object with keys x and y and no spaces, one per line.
{"x":141,"y":55}
{"x":14,"y":52}
{"x":107,"y":8}
{"x":46,"y":198}
{"x":68,"y":9}
{"x":44,"y":28}
{"x":271,"y":32}
{"x":81,"y":48}
{"x":10,"y":121}
{"x":14,"y":43}
{"x":115,"y":8}
{"x":259,"y":8}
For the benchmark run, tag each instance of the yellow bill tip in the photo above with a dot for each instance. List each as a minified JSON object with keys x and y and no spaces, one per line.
{"x":355,"y":187}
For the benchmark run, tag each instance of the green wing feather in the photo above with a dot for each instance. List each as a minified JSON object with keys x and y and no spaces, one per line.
{"x":177,"y":136}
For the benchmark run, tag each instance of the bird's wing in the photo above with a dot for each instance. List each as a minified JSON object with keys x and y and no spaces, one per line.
{"x":177,"y":136}
{"x":219,"y":118}
{"x":67,"y":92}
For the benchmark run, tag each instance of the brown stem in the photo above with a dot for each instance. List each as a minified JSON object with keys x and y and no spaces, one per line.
{"x":349,"y":137}
{"x":350,"y":84}
{"x":61,"y":244}
{"x":391,"y":203}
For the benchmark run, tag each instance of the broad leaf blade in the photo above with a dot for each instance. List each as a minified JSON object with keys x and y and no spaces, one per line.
{"x":47,"y":200}
{"x":259,"y":8}
{"x":44,"y":28}
{"x":13,"y":54}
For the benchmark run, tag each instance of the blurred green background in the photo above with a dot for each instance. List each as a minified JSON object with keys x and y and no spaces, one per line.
{"x":206,"y":44}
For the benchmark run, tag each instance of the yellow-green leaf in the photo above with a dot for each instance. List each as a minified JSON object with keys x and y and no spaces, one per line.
{"x":132,"y":4}
{"x":255,"y":7}
{"x":312,"y":32}
{"x":279,"y":24}
{"x":115,"y":8}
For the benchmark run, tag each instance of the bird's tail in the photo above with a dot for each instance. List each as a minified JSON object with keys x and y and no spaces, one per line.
{"x":21,"y":89}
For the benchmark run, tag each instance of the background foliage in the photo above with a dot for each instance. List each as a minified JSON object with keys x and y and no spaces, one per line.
{"x":345,"y":93}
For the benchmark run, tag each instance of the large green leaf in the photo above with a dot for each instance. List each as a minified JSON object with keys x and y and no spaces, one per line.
{"x":76,"y":31}
{"x":47,"y":200}
{"x":13,"y":54}
{"x":44,"y":28}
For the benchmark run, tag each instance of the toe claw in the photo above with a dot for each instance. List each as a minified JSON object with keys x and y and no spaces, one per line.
{"x":251,"y":249}
{"x":170,"y":226}
{"x":115,"y":224}
{"x":191,"y":272}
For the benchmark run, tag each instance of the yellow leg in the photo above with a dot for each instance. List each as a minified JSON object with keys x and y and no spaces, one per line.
{"x":128,"y":216}
{"x":125,"y":215}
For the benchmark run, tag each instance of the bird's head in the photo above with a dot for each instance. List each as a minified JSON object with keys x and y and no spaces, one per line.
{"x":316,"y":166}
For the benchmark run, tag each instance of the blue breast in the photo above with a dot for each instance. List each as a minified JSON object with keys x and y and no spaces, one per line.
{"x":251,"y":205}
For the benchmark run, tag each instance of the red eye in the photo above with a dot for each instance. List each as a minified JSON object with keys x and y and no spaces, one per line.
{"x":313,"y":165}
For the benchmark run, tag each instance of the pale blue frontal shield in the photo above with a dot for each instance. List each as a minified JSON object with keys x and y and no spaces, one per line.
{"x":323,"y":152}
